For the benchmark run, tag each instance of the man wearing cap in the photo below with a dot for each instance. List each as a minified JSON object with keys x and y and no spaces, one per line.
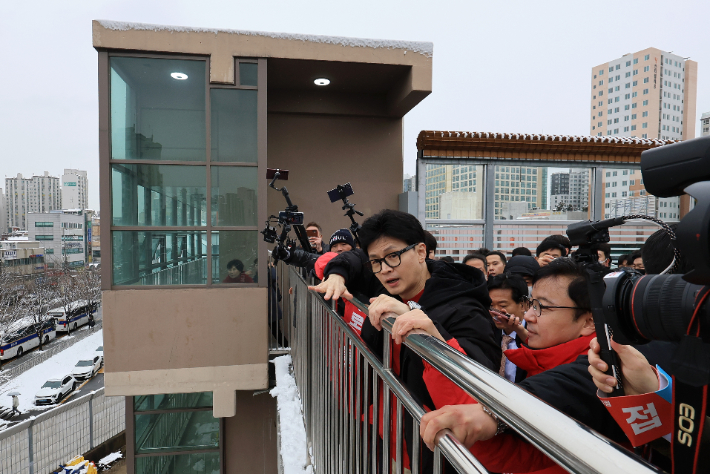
{"x":523,"y":266}
{"x":341,"y":241}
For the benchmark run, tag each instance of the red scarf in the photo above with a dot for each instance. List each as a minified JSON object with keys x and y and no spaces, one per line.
{"x":534,"y":361}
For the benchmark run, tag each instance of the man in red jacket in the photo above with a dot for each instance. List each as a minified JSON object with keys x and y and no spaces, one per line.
{"x":560,"y":327}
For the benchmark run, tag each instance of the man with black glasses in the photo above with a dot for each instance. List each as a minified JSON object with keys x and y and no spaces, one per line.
{"x":392,"y":269}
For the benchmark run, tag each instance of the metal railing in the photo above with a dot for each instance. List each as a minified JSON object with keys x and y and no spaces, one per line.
{"x":340,"y":379}
{"x":193,"y":272}
{"x":39,"y":445}
{"x":35,"y":358}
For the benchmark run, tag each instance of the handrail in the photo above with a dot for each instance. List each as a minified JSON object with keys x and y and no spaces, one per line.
{"x":570,"y":444}
{"x":460,"y":457}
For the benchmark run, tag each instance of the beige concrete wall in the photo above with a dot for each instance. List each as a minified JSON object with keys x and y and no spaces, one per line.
{"x":185,"y":340}
{"x":322,"y":151}
{"x":690,"y":98}
{"x":250,"y":436}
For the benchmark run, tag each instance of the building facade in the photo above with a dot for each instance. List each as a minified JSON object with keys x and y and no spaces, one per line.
{"x":647,"y":94}
{"x":184,"y":151}
{"x":22,"y":257}
{"x":705,"y":124}
{"x":36,"y":194}
{"x":63,"y":236}
{"x":75,"y":189}
{"x":3,"y":213}
{"x":409,"y":183}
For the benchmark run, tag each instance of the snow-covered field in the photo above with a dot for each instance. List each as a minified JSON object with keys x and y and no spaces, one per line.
{"x":60,"y":365}
{"x":292,"y":432}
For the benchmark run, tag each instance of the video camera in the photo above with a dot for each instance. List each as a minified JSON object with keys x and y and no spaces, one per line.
{"x":288,"y":218}
{"x":639,"y":308}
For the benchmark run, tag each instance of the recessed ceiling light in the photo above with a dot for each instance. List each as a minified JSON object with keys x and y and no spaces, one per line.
{"x":180,"y":76}
{"x":321,"y":81}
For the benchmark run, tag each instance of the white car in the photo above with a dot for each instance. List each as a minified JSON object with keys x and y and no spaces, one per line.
{"x":85,"y":369}
{"x":54,"y":390}
{"x":100,"y":352}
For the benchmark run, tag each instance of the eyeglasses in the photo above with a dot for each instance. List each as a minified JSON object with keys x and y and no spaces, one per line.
{"x":538,"y":307}
{"x":392,"y":260}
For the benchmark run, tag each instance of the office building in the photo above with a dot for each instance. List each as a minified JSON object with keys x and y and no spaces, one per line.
{"x":3,"y":213}
{"x":75,"y":189}
{"x":36,"y":194}
{"x":512,"y":184}
{"x":559,"y":183}
{"x":647,"y":94}
{"x":63,"y":236}
{"x":705,"y":124}
{"x":409,"y":183}
{"x":180,"y":342}
{"x":21,"y":256}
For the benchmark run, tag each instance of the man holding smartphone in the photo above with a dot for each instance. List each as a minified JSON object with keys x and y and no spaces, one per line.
{"x":315,"y":237}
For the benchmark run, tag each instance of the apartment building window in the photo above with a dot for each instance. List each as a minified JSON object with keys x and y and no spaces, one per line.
{"x":616,"y":109}
{"x":599,"y":124}
{"x":645,"y":103}
{"x":628,"y":85}
{"x":611,"y":89}
{"x":611,"y":69}
{"x":616,"y":120}
{"x":633,"y":116}
{"x":626,"y":107}
{"x":645,"y":114}
{"x":626,"y":129}
{"x":610,"y":101}
{"x":645,"y":80}
{"x":618,"y":66}
{"x":44,"y":224}
{"x":645,"y":91}
{"x":645,"y":58}
{"x":627,"y":97}
{"x":608,"y":122}
{"x":634,"y":94}
{"x":182,"y":208}
{"x":613,"y":195}
{"x":645,"y":135}
{"x":616,"y":88}
{"x":636,"y":60}
{"x":608,"y":174}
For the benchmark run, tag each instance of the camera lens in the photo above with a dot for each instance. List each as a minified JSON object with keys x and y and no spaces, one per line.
{"x":652,"y":307}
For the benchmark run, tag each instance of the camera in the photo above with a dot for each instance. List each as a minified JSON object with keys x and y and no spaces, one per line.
{"x":287,"y":219}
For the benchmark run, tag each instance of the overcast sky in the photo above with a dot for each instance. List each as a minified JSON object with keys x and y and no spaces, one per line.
{"x":515,"y":66}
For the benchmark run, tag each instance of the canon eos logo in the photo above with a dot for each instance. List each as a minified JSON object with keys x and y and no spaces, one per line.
{"x":686,"y":424}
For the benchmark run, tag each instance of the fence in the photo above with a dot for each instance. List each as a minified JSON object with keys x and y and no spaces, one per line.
{"x":36,"y":358}
{"x":457,"y":239}
{"x":39,"y":445}
{"x":193,"y":272}
{"x":339,"y":378}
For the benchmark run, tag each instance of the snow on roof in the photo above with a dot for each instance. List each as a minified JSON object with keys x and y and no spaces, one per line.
{"x":424,"y":48}
{"x":553,"y":138}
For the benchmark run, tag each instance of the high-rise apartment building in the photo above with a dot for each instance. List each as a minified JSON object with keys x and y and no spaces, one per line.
{"x":512,"y":184}
{"x":36,"y":194}
{"x":3,"y":214}
{"x":75,"y":189}
{"x":570,"y":191}
{"x":647,"y":94}
{"x":559,"y":183}
{"x":705,"y":124}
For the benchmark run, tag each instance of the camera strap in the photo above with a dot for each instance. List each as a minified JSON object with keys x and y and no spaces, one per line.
{"x":691,"y":373}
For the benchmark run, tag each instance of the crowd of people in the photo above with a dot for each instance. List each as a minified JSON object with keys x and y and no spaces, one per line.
{"x":526,"y":317}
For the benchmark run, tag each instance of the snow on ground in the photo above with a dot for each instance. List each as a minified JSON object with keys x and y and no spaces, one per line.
{"x":29,"y":382}
{"x":292,"y":432}
{"x":105,"y":461}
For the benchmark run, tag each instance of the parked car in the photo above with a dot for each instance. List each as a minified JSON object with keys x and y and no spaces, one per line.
{"x":100,"y":352}
{"x":85,"y":369}
{"x":55,"y":390}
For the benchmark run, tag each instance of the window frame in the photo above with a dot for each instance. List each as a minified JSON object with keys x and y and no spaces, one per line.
{"x":106,"y":163}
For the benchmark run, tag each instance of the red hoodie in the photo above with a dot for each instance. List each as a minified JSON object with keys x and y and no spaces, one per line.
{"x":508,"y":452}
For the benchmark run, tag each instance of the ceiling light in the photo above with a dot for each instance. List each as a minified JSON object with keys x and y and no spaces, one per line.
{"x":180,"y":76}
{"x":321,"y":81}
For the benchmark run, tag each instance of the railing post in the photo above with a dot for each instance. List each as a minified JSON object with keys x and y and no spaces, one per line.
{"x":91,"y":423}
{"x":386,"y":363}
{"x":30,"y":448}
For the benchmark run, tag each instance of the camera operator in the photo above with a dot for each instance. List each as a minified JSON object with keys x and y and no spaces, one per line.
{"x":393,"y":269}
{"x":548,"y":250}
{"x":560,"y":327}
{"x":315,"y":237}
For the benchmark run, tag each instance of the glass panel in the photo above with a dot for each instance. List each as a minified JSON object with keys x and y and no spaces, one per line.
{"x":233,"y":127}
{"x":159,"y":257}
{"x":234,"y":256}
{"x":172,"y":401}
{"x":158,"y":109}
{"x":234,"y":195}
{"x":158,"y":195}
{"x":248,"y":74}
{"x":189,"y":463}
{"x":456,"y":241}
{"x":176,"y":431}
{"x":454,"y":192}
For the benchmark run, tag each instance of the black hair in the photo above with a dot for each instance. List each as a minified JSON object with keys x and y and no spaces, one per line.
{"x":482,"y":251}
{"x":390,"y":223}
{"x":657,"y":253}
{"x":430,"y":242}
{"x":577,"y":289}
{"x":562,"y":240}
{"x":522,"y":251}
{"x":604,"y":247}
{"x":623,"y":259}
{"x":476,"y":255}
{"x":236,"y":263}
{"x":634,"y":256}
{"x":549,"y":243}
{"x":448,"y":258}
{"x":314,"y":224}
{"x":500,"y":254}
{"x":507,"y":281}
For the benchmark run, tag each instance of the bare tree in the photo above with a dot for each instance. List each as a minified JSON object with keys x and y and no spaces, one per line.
{"x":88,"y":288}
{"x":10,"y":294}
{"x":42,"y":291}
